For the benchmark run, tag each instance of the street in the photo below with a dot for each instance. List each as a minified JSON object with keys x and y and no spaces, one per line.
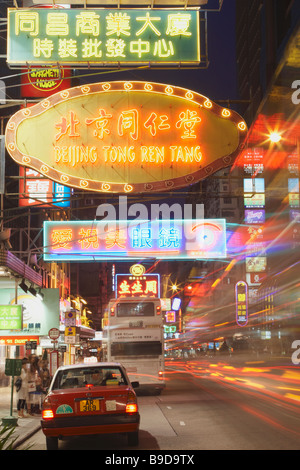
{"x":211,"y":406}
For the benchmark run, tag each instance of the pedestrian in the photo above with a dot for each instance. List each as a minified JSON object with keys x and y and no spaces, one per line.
{"x":45,"y":375}
{"x":22,"y":389}
{"x":34,"y":387}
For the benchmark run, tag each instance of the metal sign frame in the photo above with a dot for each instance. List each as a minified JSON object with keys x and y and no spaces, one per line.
{"x":103,"y":37}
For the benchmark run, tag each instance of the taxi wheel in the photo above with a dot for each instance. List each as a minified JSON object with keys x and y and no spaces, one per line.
{"x":52,"y":443}
{"x":133,"y":438}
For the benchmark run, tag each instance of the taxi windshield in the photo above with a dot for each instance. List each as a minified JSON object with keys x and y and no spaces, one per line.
{"x":95,"y":376}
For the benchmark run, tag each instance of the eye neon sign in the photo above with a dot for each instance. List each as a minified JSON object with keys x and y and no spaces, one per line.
{"x":125,"y":137}
{"x":102,"y":36}
{"x":131,"y":240}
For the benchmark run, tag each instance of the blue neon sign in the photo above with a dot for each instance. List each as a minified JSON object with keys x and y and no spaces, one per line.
{"x":130,"y":240}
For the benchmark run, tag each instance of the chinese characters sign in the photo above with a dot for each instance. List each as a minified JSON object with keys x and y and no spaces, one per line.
{"x":146,"y":285}
{"x":11,"y":317}
{"x":100,"y":36}
{"x":125,"y":137}
{"x":241,"y":303}
{"x":130,"y":240}
{"x":35,"y":189}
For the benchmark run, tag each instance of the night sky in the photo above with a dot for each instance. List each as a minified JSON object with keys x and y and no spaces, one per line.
{"x":217,"y":82}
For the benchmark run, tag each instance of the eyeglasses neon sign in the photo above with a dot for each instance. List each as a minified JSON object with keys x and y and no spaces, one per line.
{"x":125,"y":137}
{"x":130,"y":240}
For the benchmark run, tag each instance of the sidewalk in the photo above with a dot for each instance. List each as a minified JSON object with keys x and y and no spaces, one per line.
{"x":26,"y":427}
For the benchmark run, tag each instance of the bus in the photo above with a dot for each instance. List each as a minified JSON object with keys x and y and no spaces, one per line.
{"x":135,"y":338}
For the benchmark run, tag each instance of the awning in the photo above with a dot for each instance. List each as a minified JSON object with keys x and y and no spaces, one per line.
{"x":85,"y":333}
{"x":17,"y":268}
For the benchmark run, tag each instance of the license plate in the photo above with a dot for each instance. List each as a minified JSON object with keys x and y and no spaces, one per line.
{"x":89,"y":405}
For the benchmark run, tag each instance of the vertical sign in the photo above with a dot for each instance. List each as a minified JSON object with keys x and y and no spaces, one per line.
{"x":255,"y":216}
{"x":241,"y":302}
{"x":2,"y":164}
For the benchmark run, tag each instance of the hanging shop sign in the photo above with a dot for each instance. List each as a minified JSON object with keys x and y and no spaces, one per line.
{"x":36,"y":190}
{"x":19,"y":340}
{"x":130,"y":240}
{"x":40,"y":82}
{"x":11,"y":317}
{"x":102,"y":36}
{"x":241,"y":303}
{"x":37,"y":316}
{"x":146,"y":285}
{"x":125,"y":137}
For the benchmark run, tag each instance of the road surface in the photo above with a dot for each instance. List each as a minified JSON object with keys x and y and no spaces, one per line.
{"x":211,"y":406}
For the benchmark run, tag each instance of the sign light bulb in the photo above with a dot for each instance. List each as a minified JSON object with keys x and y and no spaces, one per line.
{"x":275,"y":137}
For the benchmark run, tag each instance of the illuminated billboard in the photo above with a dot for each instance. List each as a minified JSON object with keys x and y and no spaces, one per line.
{"x":147,"y":285}
{"x":130,"y":240}
{"x":11,"y":317}
{"x":125,"y":137}
{"x":241,"y":301}
{"x":103,"y":36}
{"x":39,"y":82}
{"x":30,"y":317}
{"x":35,"y":190}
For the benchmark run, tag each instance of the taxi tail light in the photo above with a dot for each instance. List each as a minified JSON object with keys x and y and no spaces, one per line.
{"x":160,"y":375}
{"x":157,"y":310}
{"x":47,"y":414}
{"x":131,"y":406}
{"x":112,"y":312}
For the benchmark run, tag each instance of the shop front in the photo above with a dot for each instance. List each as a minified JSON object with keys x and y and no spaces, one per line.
{"x":27,"y":311}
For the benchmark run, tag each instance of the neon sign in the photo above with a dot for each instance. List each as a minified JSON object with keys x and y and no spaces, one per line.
{"x":38,"y":190}
{"x":42,"y":82}
{"x":125,"y":137}
{"x":130,"y":240}
{"x":170,"y":316}
{"x":146,"y":285}
{"x":241,"y":301}
{"x":78,"y":37}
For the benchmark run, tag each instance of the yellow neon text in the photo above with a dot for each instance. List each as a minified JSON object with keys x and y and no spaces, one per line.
{"x":152,"y":154}
{"x":75,"y":154}
{"x":185,"y":154}
{"x":119,"y":154}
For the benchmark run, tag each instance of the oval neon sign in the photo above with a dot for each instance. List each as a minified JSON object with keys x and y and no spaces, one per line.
{"x":125,"y":137}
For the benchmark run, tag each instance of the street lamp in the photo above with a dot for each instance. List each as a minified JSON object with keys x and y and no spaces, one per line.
{"x":32,"y":290}
{"x":23,"y":286}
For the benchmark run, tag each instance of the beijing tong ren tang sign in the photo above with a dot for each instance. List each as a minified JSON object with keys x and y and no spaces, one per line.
{"x":125,"y":137}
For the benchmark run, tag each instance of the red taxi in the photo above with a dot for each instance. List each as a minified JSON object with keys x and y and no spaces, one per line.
{"x":95,"y":398}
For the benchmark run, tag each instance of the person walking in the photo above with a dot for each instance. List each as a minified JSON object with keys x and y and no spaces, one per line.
{"x":22,"y":389}
{"x":34,"y":386}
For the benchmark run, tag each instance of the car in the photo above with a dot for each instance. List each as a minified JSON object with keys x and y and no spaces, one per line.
{"x":92,"y":398}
